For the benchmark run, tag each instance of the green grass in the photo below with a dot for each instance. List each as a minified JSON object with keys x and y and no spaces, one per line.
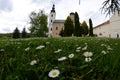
{"x":15,"y":61}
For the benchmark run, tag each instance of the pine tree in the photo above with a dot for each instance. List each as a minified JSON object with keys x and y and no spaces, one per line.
{"x":16,"y":33}
{"x":68,"y":27}
{"x":24,"y":33}
{"x":78,"y":30}
{"x":85,"y":27}
{"x":91,"y":28}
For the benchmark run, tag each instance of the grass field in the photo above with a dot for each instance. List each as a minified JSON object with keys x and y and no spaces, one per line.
{"x":69,"y":58}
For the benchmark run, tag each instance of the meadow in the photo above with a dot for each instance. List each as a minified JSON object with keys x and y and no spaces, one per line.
{"x":60,"y":59}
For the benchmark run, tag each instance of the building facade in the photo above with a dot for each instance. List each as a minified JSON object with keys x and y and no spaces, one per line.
{"x":110,"y":28}
{"x":115,"y":25}
{"x":55,"y":26}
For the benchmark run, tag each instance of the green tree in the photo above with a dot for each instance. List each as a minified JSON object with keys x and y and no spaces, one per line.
{"x":78,"y":30}
{"x":38,"y":23}
{"x":16,"y":33}
{"x":24,"y":33}
{"x":68,"y":27}
{"x":111,"y":6}
{"x":85,"y":27}
{"x":62,"y":32}
{"x":91,"y":28}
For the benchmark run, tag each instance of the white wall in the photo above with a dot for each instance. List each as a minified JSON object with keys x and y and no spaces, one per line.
{"x":115,"y":25}
{"x":103,"y":30}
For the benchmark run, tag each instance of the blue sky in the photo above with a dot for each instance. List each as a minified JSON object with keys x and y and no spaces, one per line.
{"x":15,"y":13}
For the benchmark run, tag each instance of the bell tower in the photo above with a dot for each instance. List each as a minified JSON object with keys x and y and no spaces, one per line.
{"x":51,"y":19}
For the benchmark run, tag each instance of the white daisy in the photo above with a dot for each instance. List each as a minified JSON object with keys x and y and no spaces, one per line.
{"x":27,"y":49}
{"x":40,"y":47}
{"x":33,"y":62}
{"x":109,"y":48}
{"x":71,"y":56}
{"x":77,"y":50}
{"x":88,"y":59}
{"x":85,"y":48}
{"x":47,"y":42}
{"x":2,"y":50}
{"x":88,"y":54}
{"x":78,"y":47}
{"x":103,"y":52}
{"x":102,"y":45}
{"x":54,"y":73}
{"x":59,"y":50}
{"x":62,"y":58}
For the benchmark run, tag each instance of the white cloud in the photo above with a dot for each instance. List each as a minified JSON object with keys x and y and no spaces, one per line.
{"x":18,"y":16}
{"x":5,"y":5}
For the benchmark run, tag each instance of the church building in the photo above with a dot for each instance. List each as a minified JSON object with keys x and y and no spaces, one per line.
{"x":110,"y":28}
{"x":55,"y":26}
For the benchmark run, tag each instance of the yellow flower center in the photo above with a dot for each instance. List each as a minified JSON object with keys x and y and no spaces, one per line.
{"x":88,"y":55}
{"x":54,"y":73}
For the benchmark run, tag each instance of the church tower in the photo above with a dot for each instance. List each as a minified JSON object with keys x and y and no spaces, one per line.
{"x":51,"y":20}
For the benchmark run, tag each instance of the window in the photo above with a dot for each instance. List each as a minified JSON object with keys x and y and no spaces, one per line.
{"x":51,"y":21}
{"x":56,"y":28}
{"x":51,"y":29}
{"x":100,"y":34}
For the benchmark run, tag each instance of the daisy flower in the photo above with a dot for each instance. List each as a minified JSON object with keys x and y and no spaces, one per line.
{"x":2,"y":50}
{"x":77,"y":50}
{"x":78,"y":47}
{"x":27,"y":49}
{"x":71,"y":56}
{"x":85,"y":48}
{"x":40,"y":47}
{"x":104,"y":52}
{"x":62,"y":58}
{"x":54,"y":73}
{"x":88,"y":54}
{"x":47,"y":42}
{"x":59,"y":50}
{"x":33,"y":62}
{"x":109,"y":48}
{"x":88,"y":59}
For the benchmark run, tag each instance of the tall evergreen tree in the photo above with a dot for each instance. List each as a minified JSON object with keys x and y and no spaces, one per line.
{"x":68,"y":27}
{"x":78,"y":30}
{"x":91,"y":28}
{"x":85,"y":27}
{"x":24,"y":33}
{"x":16,"y":33}
{"x":38,"y":23}
{"x":61,"y":32}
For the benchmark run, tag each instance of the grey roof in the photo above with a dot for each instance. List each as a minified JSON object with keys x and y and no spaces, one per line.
{"x":59,"y":21}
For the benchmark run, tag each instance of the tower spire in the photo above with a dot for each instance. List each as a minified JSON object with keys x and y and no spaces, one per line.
{"x":53,"y":8}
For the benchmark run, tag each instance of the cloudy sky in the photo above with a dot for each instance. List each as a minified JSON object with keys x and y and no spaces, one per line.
{"x":15,"y":13}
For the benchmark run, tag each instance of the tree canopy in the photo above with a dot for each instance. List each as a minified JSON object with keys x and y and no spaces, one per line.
{"x":38,"y":23}
{"x":16,"y":33}
{"x":111,"y":6}
{"x":85,"y":27}
{"x":68,"y":27}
